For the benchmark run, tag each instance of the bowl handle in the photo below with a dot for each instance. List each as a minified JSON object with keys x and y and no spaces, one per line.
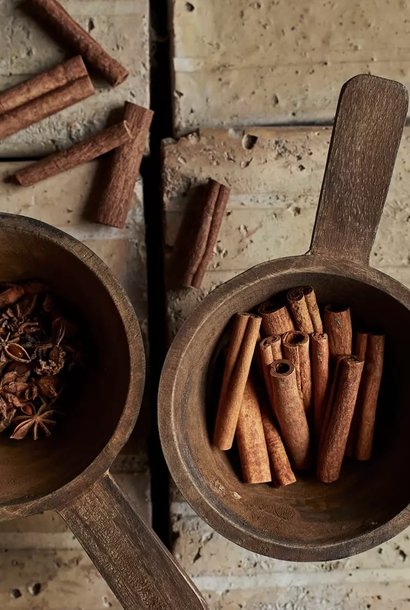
{"x":136,"y":565}
{"x":368,"y":127}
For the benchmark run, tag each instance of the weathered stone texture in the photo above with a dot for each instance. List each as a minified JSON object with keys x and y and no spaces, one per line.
{"x":279,"y":61}
{"x":120,"y":26}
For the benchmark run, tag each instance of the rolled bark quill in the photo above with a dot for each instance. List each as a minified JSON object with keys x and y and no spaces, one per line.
{"x":89,"y":149}
{"x":290,"y":412}
{"x":359,"y":350}
{"x":295,"y":347}
{"x":238,"y":363}
{"x":270,"y":349}
{"x":124,"y":167}
{"x":320,"y":375}
{"x":313,"y":308}
{"x":43,"y":83}
{"x":64,"y":28}
{"x":281,"y":469}
{"x":276,"y":320}
{"x":250,"y":437}
{"x":198,"y":235}
{"x":368,"y":396}
{"x":41,"y":107}
{"x":338,"y":326}
{"x":299,"y":309}
{"x":334,"y":438}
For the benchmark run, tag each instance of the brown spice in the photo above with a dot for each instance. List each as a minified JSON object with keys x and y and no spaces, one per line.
{"x":295,"y":345}
{"x":338,"y":326}
{"x":320,"y":374}
{"x":313,"y":308}
{"x":276,"y":320}
{"x":299,"y":309}
{"x":282,"y":473}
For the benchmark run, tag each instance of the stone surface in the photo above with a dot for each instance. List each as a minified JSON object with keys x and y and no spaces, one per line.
{"x":120,"y":26}
{"x":41,"y":549}
{"x":275,"y":175}
{"x":279,"y":61}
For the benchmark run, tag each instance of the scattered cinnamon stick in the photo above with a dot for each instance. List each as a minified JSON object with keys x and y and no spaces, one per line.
{"x":313,"y":308}
{"x":290,"y":412}
{"x":296,"y":349}
{"x":41,"y":107}
{"x":116,"y":198}
{"x":43,"y":83}
{"x":281,"y":469}
{"x":276,"y":320}
{"x":84,"y":151}
{"x":368,"y":396}
{"x":63,"y":27}
{"x":299,"y":309}
{"x":250,"y":437}
{"x":320,"y":374}
{"x":338,"y":326}
{"x":334,"y":438}
{"x":233,"y":385}
{"x":198,"y":235}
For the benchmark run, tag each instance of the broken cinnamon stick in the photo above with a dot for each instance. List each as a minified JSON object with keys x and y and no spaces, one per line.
{"x":368,"y":396}
{"x":250,"y":437}
{"x":198,"y":235}
{"x":63,"y":27}
{"x":281,"y":469}
{"x":299,"y":310}
{"x":338,"y":326}
{"x":84,"y":151}
{"x":44,"y":106}
{"x":334,"y":438}
{"x":276,"y":320}
{"x":290,"y":412}
{"x":43,"y":83}
{"x":296,"y":349}
{"x":320,"y":375}
{"x":116,"y":198}
{"x":233,"y":384}
{"x":313,"y":308}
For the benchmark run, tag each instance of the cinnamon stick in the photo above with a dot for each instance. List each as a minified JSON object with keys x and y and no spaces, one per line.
{"x":320,"y":374}
{"x":84,"y":151}
{"x":359,"y":350}
{"x":281,"y":469}
{"x":270,"y":349}
{"x":43,"y":83}
{"x":334,"y":439}
{"x":299,"y":310}
{"x":338,"y":326}
{"x":313,"y":308}
{"x":41,"y":107}
{"x":290,"y":412}
{"x":250,"y":437}
{"x":198,"y":234}
{"x":116,"y":198}
{"x":64,"y":28}
{"x":276,"y":320}
{"x":296,"y":349}
{"x":368,"y":396}
{"x":233,"y":385}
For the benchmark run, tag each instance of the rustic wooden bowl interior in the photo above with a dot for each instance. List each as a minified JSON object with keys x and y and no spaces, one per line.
{"x":30,"y":469}
{"x":307,"y":520}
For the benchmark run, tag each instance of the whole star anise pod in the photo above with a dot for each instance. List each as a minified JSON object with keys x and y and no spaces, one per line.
{"x":40,"y":420}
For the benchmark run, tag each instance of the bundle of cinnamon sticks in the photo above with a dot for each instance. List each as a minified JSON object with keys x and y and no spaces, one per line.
{"x":299,"y":389}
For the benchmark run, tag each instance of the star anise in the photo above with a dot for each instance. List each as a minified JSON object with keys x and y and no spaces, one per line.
{"x":11,"y":390}
{"x":40,"y":420}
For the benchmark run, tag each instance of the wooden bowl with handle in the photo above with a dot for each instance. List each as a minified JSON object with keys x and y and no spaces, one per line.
{"x":308,"y":521}
{"x":68,"y":472}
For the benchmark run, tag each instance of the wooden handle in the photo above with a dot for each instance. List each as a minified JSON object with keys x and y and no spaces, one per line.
{"x":368,"y":127}
{"x":139,"y":569}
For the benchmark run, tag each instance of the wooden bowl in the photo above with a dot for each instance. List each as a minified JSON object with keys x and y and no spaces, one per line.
{"x":69,"y":471}
{"x":307,"y":521}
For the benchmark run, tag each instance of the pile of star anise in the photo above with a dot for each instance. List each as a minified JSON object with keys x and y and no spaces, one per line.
{"x":39,"y":348}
